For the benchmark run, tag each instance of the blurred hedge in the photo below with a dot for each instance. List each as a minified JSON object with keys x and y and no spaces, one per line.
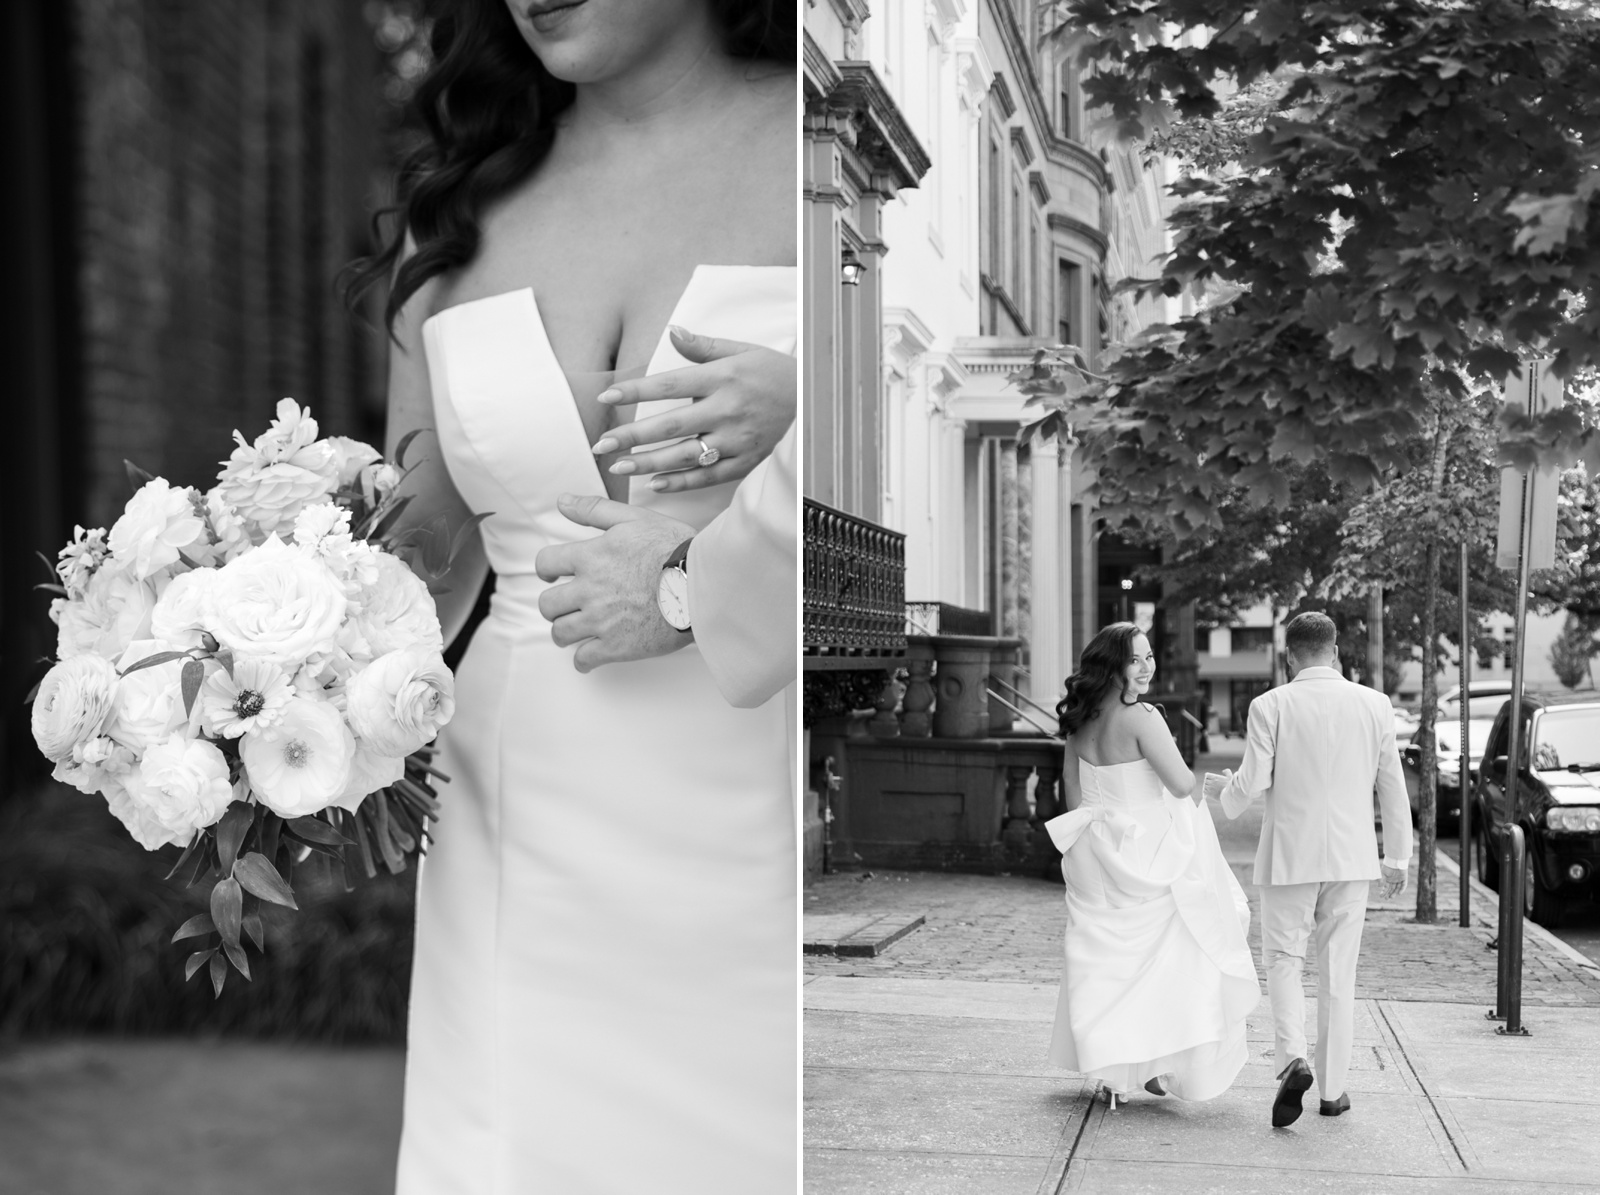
{"x":85,"y":923}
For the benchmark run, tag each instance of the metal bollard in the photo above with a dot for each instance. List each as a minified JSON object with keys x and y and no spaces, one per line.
{"x":1508,"y":994}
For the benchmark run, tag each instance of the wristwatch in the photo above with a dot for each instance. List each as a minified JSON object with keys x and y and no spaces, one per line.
{"x":672,"y":591}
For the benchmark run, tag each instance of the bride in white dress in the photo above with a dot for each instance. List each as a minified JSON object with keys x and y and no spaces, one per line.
{"x":604,"y":991}
{"x":1157,"y":979}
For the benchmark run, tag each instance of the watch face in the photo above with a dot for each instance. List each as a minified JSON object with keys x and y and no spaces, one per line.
{"x":672,"y":595}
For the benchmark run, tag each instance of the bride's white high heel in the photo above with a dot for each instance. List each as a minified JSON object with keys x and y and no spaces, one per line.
{"x":1112,"y":1097}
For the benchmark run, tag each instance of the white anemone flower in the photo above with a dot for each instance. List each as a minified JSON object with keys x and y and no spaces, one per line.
{"x":302,"y":764}
{"x":253,"y":698}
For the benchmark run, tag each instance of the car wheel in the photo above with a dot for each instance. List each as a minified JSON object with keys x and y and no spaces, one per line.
{"x":1542,"y":906}
{"x":1488,"y":861}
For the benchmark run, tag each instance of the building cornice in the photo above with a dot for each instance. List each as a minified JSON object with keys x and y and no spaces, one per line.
{"x":1019,"y":144}
{"x":882,"y":137}
{"x":994,"y":287}
{"x":976,"y":72}
{"x":1041,"y":191}
{"x":821,"y":76}
{"x":1001,"y":91}
{"x":1061,"y":222}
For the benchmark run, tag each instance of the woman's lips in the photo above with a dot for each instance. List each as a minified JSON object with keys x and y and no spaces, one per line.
{"x":547,"y":17}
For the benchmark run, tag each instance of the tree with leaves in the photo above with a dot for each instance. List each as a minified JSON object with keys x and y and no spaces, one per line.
{"x":1573,"y":652}
{"x":1417,"y":201}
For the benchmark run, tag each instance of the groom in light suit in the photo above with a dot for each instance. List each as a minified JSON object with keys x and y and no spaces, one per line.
{"x":1316,"y":749}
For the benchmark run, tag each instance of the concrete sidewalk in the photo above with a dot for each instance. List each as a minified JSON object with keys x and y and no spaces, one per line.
{"x":925,"y":1065}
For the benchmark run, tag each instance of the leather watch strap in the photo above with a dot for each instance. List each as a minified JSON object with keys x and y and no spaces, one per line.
{"x":680,"y":556}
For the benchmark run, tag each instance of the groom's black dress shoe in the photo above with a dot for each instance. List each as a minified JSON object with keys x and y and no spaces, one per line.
{"x":1334,"y":1107}
{"x":1296,"y":1081}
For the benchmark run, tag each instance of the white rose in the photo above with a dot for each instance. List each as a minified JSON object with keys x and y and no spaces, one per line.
{"x":398,"y":702}
{"x":378,"y":481}
{"x":113,"y":612}
{"x":394,"y":611}
{"x":351,"y":457}
{"x":158,"y":523}
{"x":369,"y":771}
{"x":179,"y":614}
{"x":148,"y":707}
{"x":72,"y":704}
{"x":267,"y":483}
{"x":136,"y":815}
{"x":95,"y":766}
{"x":231,"y":532}
{"x":182,"y":784}
{"x":302,"y":763}
{"x":275,"y":604}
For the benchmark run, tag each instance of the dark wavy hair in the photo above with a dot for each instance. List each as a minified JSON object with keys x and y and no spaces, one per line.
{"x":1100,"y":669}
{"x":489,"y":107}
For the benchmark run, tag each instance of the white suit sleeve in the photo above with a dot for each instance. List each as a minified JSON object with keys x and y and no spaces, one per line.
{"x":743,"y":573}
{"x":1254,"y":776}
{"x":1393,"y":804}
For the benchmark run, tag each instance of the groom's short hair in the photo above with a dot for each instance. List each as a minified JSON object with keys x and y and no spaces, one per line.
{"x":1310,"y":634}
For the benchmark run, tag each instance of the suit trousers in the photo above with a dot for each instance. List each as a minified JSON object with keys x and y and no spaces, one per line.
{"x":1330,"y":914}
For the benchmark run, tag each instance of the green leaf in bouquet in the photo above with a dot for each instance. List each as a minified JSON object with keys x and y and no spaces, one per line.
{"x":33,"y":692}
{"x":187,"y":562}
{"x":405,"y":442}
{"x":49,"y":565}
{"x":271,"y":827}
{"x":193,"y":673}
{"x":387,"y":514}
{"x":364,"y":842}
{"x":196,"y":961}
{"x":225,"y":658}
{"x":52,"y":587}
{"x":227,"y":909}
{"x":219,"y":972}
{"x":237,"y":957}
{"x":260,"y":878}
{"x":314,"y":831}
{"x":161,"y":657}
{"x":137,"y":477}
{"x":392,"y":858}
{"x":188,"y":854}
{"x":197,"y":926}
{"x":252,"y":926}
{"x":436,"y":547}
{"x":235,"y":824}
{"x":462,"y":532}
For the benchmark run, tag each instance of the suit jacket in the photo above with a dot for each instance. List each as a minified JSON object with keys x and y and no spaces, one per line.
{"x":1316,"y":748}
{"x":742,"y":581}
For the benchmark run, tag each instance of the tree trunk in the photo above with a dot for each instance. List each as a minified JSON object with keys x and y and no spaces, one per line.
{"x":1375,"y":637}
{"x":1427,"y":804}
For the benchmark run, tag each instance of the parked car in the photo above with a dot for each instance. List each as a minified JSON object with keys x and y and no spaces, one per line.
{"x":1482,"y":708}
{"x":1558,"y":801}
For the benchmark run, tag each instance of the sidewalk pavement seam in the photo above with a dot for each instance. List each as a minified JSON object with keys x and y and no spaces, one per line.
{"x":1454,"y":1136}
{"x":1484,"y":892}
{"x":1083,"y":1150}
{"x":1055,"y":1175}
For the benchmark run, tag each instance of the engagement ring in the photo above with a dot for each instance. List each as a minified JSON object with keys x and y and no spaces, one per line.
{"x":708,"y":455}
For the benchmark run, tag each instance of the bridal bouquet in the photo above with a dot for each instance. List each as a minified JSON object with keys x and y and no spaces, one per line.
{"x":254,"y":673}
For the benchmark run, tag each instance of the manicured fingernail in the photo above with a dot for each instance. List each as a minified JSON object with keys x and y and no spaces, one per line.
{"x":623,"y":467}
{"x":610,"y":395}
{"x":659,"y":484}
{"x":679,"y":332}
{"x":565,"y":500}
{"x":607,"y":444}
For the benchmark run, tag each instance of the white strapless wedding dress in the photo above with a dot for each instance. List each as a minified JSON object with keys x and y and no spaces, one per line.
{"x":604,"y":992}
{"x":1157,"y":979}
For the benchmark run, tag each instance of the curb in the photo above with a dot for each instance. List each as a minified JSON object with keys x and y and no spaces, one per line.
{"x":1529,"y":928}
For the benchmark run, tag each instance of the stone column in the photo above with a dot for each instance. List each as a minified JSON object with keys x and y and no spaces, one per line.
{"x":1048,"y":655}
{"x":1068,"y":543}
{"x":1006,"y":599}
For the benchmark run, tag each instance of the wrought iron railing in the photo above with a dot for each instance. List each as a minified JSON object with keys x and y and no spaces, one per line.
{"x":855,"y":585}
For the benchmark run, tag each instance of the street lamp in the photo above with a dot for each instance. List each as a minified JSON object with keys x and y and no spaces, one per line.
{"x":850,"y":267}
{"x":1127,"y":593}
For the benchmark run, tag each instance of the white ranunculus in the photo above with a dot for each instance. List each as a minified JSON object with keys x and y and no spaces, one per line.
{"x":72,"y":704}
{"x":182,"y":785}
{"x":159,"y":522}
{"x":302,"y":764}
{"x":268,"y":483}
{"x":393,"y":612}
{"x":96,"y":765}
{"x":148,"y":707}
{"x":398,"y":702}
{"x":114,"y":611}
{"x":275,"y":604}
{"x":179,"y":614}
{"x":369,"y":771}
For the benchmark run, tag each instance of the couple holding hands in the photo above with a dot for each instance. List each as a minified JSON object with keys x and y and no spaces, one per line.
{"x":1158,"y":980}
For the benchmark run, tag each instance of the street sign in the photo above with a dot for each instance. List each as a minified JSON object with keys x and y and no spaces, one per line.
{"x":1535,"y":390}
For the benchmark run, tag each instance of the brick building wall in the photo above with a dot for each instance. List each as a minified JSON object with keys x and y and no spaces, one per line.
{"x":228,"y":153}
